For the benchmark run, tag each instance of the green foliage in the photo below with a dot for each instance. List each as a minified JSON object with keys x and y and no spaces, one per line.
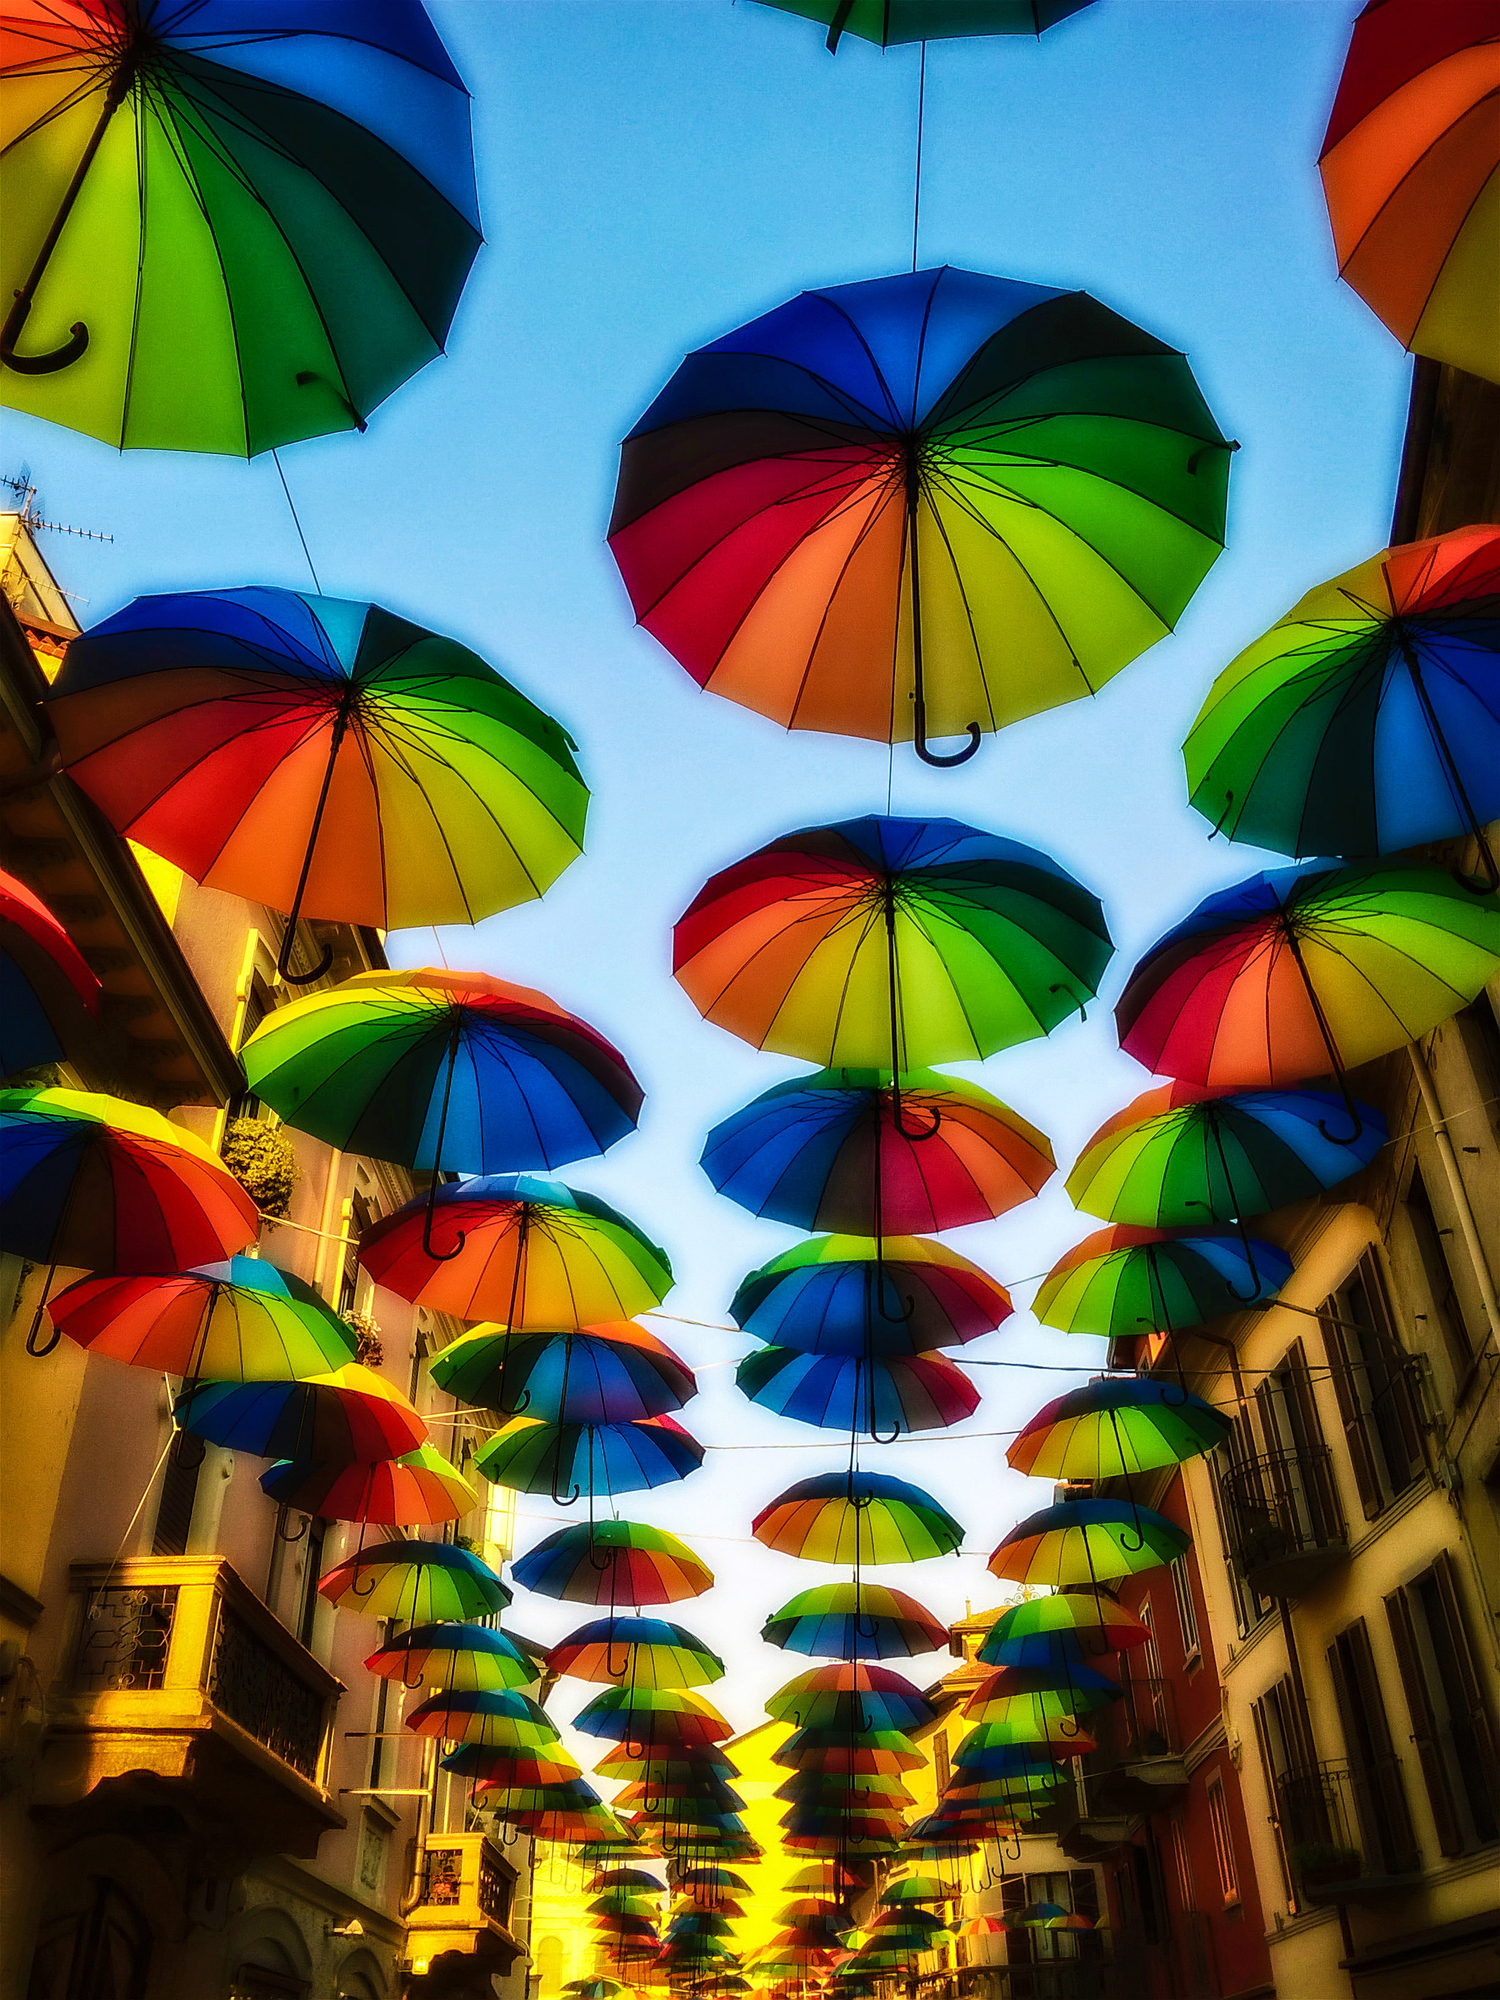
{"x":261,"y":1158}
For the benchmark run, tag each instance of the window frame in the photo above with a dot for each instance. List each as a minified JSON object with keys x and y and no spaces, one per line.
{"x":1187,"y":1611}
{"x":1223,"y":1841}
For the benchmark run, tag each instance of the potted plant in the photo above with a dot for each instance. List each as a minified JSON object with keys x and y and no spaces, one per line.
{"x":260,"y":1157}
{"x":1318,"y":1863}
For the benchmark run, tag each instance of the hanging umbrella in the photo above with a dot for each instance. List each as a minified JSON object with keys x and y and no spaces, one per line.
{"x":639,"y":1713}
{"x":1038,"y":1913}
{"x":1303,"y":972}
{"x":482,"y":1717}
{"x":893,"y":942}
{"x":312,"y":217}
{"x":887,"y":1396}
{"x":627,"y":1878}
{"x":418,"y":1582}
{"x":712,"y":1878}
{"x":510,"y":1766}
{"x":875,"y":1696}
{"x":1026,"y":1634}
{"x":1121,"y":1281}
{"x":456,"y":1656}
{"x":613,"y":1562}
{"x":1071,"y":1921}
{"x":532,"y":1456}
{"x":825,"y":1152}
{"x":923,"y":505}
{"x":888,"y":22}
{"x":851,"y":1295}
{"x":1114,"y":1428}
{"x":665,"y":1769}
{"x":531,"y":1253}
{"x":1411,"y":169}
{"x":822,"y":1875}
{"x":657,"y":1655}
{"x":835,"y":1747}
{"x":1183,"y":1153}
{"x":912,"y":1890}
{"x":857,"y":1517}
{"x":348,"y":1413}
{"x":1368,"y":718}
{"x":419,"y":1489}
{"x":222,"y":729}
{"x":47,"y":992}
{"x":855,"y":1621}
{"x":238,"y":1321}
{"x":594,"y":1374}
{"x":1086,"y":1541}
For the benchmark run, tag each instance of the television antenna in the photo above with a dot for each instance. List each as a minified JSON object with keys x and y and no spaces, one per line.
{"x":22,"y":485}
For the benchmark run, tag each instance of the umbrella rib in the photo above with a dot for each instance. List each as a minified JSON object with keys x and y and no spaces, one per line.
{"x":963,"y":598}
{"x":866,"y":530}
{"x":952,"y":486}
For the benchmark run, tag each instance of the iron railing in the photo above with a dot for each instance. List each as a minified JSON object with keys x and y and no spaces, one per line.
{"x":125,"y":1639}
{"x":1317,"y":1811}
{"x":1283,"y":1518}
{"x":250,"y":1684}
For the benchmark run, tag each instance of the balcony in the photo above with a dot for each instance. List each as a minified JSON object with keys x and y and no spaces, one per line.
{"x":466,"y":1892}
{"x":1138,"y":1767}
{"x":1282,"y":1516}
{"x":1345,"y":1834}
{"x":182,"y":1691}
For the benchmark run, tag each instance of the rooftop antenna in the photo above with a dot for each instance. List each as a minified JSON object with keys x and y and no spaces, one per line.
{"x":24,"y":488}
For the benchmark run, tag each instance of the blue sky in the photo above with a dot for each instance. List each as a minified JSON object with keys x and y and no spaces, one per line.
{"x":652,"y":173}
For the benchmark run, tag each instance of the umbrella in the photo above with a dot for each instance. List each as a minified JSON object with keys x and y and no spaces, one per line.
{"x":1409,"y":166}
{"x":595,"y":1374}
{"x":223,"y":728}
{"x":893,"y":942}
{"x":825,"y":1152}
{"x":1113,"y":1428}
{"x":348,"y":1413}
{"x":887,"y":22}
{"x":627,"y":1878}
{"x":1183,"y":1153}
{"x":1302,"y":972}
{"x":855,"y":1621}
{"x":1368,"y":718}
{"x":417,"y":1582}
{"x":454,"y":1656}
{"x":1070,"y":1921}
{"x":1121,"y":1280}
{"x":666,"y":1768}
{"x":889,"y":1395}
{"x":911,"y":1890}
{"x":712,"y":1878}
{"x":822,"y":1875}
{"x":238,"y":1321}
{"x":419,"y":1489}
{"x":840,"y":1746}
{"x":1026,"y":1634}
{"x":825,"y":1695}
{"x":1087,"y":1541}
{"x":923,"y":505}
{"x":46,"y":989}
{"x":510,"y":1765}
{"x":312,"y":217}
{"x":530,"y":1455}
{"x":1038,"y":1913}
{"x":485,"y":1718}
{"x":638,"y":1713}
{"x":531,"y":1253}
{"x":658,"y":1655}
{"x":857,"y":1517}
{"x":851,"y":1295}
{"x":613,"y":1562}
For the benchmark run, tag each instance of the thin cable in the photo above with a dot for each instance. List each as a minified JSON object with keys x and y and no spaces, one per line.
{"x":916,"y":202}
{"x":296,"y":523}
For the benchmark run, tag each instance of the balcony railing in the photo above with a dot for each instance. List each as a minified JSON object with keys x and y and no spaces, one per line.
{"x":1282,"y":1515}
{"x":1345,"y":1833}
{"x":465,"y":1906}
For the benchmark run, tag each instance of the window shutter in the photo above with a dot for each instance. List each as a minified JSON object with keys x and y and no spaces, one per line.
{"x":1476,"y":1708}
{"x":1085,"y":1888}
{"x":1346,"y":1393}
{"x":1399,"y":1365}
{"x":1385,"y":1828}
{"x":1260,"y":1711}
{"x":1424,"y":1726}
{"x":1305,"y":1410}
{"x":1012,"y":1902}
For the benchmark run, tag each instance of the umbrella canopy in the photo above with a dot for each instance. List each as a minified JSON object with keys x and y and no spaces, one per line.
{"x":852,"y":1295}
{"x":591,"y":1375}
{"x":390,"y":1063}
{"x":855,"y":1621}
{"x":348,"y":1413}
{"x":1037,"y":1723}
{"x":419,"y":1489}
{"x":1086,"y":1541}
{"x":420,"y":1583}
{"x":1026,"y":1634}
{"x":1302,"y":972}
{"x":533,"y":1254}
{"x":613,"y":1562}
{"x":510,"y":1765}
{"x":888,"y":1396}
{"x":242,"y":1320}
{"x":826,"y":1152}
{"x":839,"y":1747}
{"x":923,"y":505}
{"x":482,"y":1716}
{"x":857,"y":1517}
{"x":627,"y":1878}
{"x":1116,"y":1427}
{"x":891,"y":942}
{"x":889,"y":22}
{"x":532,"y":1456}
{"x":1368,"y":718}
{"x":456,"y":1656}
{"x":1411,"y":169}
{"x":1122,"y":1281}
{"x":312,"y":217}
{"x":643,"y":1715}
{"x":656,"y":1655}
{"x":1086,"y":1689}
{"x":326,"y":757}
{"x":1183,"y":1154}
{"x":47,"y":992}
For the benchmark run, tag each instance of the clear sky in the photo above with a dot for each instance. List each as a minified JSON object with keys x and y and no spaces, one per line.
{"x":652,"y":173}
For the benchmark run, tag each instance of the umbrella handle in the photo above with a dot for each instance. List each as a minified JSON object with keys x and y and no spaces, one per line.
{"x":413,"y":1685}
{"x":609,"y":1654}
{"x":38,"y":364}
{"x":918,"y":695}
{"x":899,"y":1121}
{"x":282,"y":1535}
{"x":36,"y":1318}
{"x":936,"y":757}
{"x":1351,"y":1138}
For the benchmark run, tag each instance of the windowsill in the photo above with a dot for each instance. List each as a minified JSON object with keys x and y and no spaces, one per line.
{"x":1192,"y":1661}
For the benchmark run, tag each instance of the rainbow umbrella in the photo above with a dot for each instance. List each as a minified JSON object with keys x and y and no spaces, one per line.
{"x":891,"y":942}
{"x":531,"y":1253}
{"x":1411,"y":169}
{"x":529,"y":1455}
{"x":991,"y":1701}
{"x":1302,"y":972}
{"x":509,"y":1766}
{"x":857,"y":1517}
{"x":328,"y":758}
{"x":1038,"y":1913}
{"x":627,"y":1878}
{"x":1120,"y":1281}
{"x":851,"y":1295}
{"x":1368,"y":718}
{"x":593,"y":1374}
{"x":855,"y":1621}
{"x":1071,"y":1921}
{"x":487,"y":1718}
{"x":661,"y":1770}
{"x":838,"y":1747}
{"x":238,"y":1321}
{"x":639,"y":1714}
{"x":1089,"y":1622}
{"x":712,"y":1878}
{"x":348,"y":1413}
{"x":1112,"y":1428}
{"x":420,"y":1583}
{"x":419,"y":1489}
{"x":825,"y":1152}
{"x":47,"y":992}
{"x":613,"y":1562}
{"x":596,"y":1989}
{"x":1034,"y":1723}
{"x":888,"y":22}
{"x":888,"y":1396}
{"x":850,"y":1693}
{"x":1183,"y":1153}
{"x":982,"y":1926}
{"x":658,"y":1656}
{"x":456,"y":1656}
{"x":852,"y":1791}
{"x":924,"y":505}
{"x":913,"y":1890}
{"x":823,"y":1875}
{"x":1087,"y":1541}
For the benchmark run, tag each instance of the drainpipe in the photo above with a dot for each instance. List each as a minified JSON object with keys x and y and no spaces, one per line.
{"x":1468,"y":1228}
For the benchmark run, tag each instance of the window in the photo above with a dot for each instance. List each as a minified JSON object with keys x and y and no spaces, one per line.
{"x":179,"y":1493}
{"x":1187,"y":1617}
{"x":1432,"y":1248}
{"x":361,"y":1215}
{"x":1249,"y":1606}
{"x":1480,"y":1029}
{"x":1375,"y":1771}
{"x":1369,"y":1372}
{"x":317,"y":1529}
{"x":259,"y":1002}
{"x":92,"y":1940}
{"x":1182,"y":1867}
{"x":1281,"y":1738}
{"x":1218,"y":1819}
{"x":1452,"y":1728}
{"x":940,"y":1764}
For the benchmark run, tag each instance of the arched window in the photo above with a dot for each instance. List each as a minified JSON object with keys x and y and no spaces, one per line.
{"x":549,"y":1964}
{"x":93,"y":1944}
{"x":267,"y":1974}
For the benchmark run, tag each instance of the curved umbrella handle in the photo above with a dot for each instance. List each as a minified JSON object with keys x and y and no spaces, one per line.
{"x":46,"y":1347}
{"x":609,"y":1655}
{"x":1348,"y":1138}
{"x":284,"y":960}
{"x":899,"y":1122}
{"x":413,"y":1685}
{"x":438,"y":1256}
{"x":282,"y":1535}
{"x":561,"y":1499}
{"x":937,"y":758}
{"x":38,"y":364}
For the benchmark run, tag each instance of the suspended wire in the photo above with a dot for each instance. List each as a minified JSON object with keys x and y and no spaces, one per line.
{"x":916,"y":203}
{"x":296,"y":522}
